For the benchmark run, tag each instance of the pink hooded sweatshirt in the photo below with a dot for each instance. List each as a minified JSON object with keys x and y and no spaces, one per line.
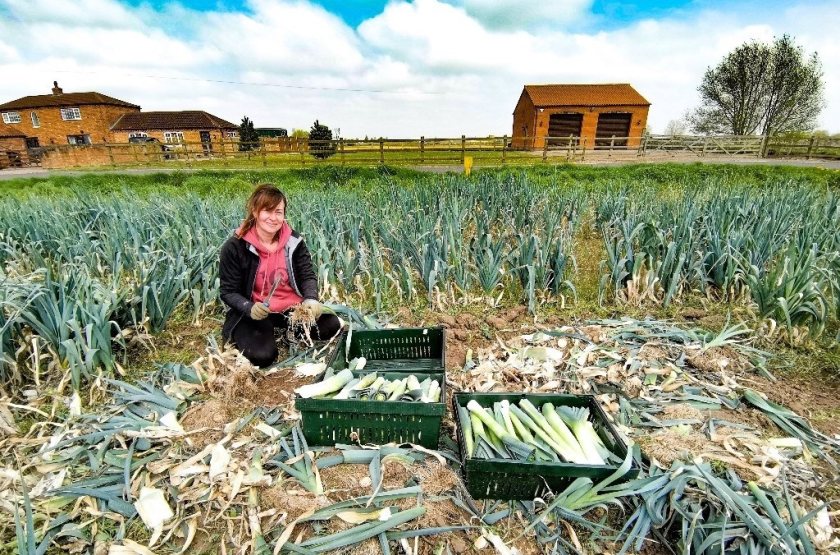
{"x":273,"y":266}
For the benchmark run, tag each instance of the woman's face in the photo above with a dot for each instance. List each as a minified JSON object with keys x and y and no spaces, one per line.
{"x":270,"y":220}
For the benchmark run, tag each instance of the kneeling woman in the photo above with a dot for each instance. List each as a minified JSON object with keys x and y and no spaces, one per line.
{"x":264,"y":271}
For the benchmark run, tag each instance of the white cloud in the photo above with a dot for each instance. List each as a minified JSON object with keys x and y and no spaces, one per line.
{"x":516,"y":14}
{"x":428,"y":67}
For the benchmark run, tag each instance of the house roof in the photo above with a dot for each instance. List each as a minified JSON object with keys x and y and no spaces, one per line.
{"x":64,"y":99}
{"x":187,"y":119}
{"x":616,"y":94}
{"x":7,"y":131}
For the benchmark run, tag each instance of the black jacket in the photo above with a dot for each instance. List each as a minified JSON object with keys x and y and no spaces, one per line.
{"x":238,"y":262}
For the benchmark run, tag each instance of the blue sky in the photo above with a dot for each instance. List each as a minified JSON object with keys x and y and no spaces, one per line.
{"x":402,"y":68}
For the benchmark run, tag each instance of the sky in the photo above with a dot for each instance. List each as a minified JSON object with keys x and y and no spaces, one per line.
{"x":398,"y":68}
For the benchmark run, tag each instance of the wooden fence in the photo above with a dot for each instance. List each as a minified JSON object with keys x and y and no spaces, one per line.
{"x":425,"y":151}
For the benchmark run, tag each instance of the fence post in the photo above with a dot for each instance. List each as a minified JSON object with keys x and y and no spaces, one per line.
{"x":302,"y":157}
{"x":463,"y":147}
{"x":504,"y":150}
{"x":583,"y":151}
{"x":111,"y":156}
{"x":705,"y":144}
{"x":262,"y":152}
{"x":341,"y":150}
{"x":381,"y":150}
{"x":545,"y":148}
{"x":422,"y":149}
{"x":612,"y":143}
{"x":762,"y":150}
{"x":810,"y":147}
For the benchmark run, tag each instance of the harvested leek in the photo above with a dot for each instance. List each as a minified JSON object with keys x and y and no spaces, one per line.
{"x":373,"y":387}
{"x":523,"y":432}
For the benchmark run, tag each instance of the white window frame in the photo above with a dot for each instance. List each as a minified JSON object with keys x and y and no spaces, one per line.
{"x":85,"y":140}
{"x":71,"y":114}
{"x":173,"y":137}
{"x":137,"y":134}
{"x":36,"y":121}
{"x":232,"y":134}
{"x":11,"y":117}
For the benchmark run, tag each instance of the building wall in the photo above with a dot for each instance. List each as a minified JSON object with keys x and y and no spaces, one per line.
{"x":96,"y":121}
{"x":13,"y":151}
{"x":638,"y":122}
{"x":191,"y":136}
{"x":523,"y":123}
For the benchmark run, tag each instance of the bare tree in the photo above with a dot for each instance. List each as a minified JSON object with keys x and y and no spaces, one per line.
{"x":678,"y":126}
{"x":764,"y":88}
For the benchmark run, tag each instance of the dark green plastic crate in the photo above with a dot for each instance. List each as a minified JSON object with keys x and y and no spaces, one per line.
{"x":331,"y":421}
{"x":398,"y":350}
{"x":508,"y":479}
{"x":391,"y":353}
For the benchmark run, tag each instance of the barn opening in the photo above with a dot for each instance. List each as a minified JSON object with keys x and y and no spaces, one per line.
{"x":561,"y":126}
{"x":613,"y":129}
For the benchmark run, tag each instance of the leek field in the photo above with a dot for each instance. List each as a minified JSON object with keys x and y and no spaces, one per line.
{"x":109,"y":343}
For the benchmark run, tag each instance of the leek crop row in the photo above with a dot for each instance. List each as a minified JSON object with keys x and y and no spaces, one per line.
{"x":373,"y":387}
{"x":524,"y":432}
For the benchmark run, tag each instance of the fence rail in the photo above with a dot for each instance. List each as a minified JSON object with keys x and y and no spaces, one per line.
{"x":291,"y":152}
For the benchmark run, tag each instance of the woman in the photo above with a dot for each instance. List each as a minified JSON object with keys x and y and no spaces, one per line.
{"x":265,"y":270}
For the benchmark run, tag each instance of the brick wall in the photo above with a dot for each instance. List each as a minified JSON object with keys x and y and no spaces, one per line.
{"x":522,"y":117}
{"x":523,"y":123}
{"x":96,"y":121}
{"x":75,"y":156}
{"x":13,"y":152}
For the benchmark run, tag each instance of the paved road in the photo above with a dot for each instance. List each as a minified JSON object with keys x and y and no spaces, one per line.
{"x":599,"y":161}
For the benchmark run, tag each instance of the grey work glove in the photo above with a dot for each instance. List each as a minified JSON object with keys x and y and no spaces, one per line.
{"x":259,"y":311}
{"x":315,"y":307}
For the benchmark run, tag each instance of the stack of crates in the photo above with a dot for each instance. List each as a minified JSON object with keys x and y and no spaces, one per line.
{"x":393,"y":354}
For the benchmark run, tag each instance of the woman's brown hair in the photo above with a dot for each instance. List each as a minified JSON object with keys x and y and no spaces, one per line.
{"x":265,"y":197}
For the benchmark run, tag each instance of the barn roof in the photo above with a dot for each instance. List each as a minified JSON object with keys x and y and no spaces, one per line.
{"x":187,"y":119}
{"x":7,"y":131}
{"x":615,"y":94}
{"x":64,"y":99}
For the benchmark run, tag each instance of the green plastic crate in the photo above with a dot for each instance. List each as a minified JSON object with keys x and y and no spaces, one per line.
{"x":396,"y":350}
{"x":331,"y":421}
{"x":391,"y":353}
{"x":508,"y":479}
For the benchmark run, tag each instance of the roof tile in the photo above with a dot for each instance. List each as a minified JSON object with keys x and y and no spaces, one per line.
{"x":66,"y":99}
{"x":188,"y":119}
{"x":617,"y":94}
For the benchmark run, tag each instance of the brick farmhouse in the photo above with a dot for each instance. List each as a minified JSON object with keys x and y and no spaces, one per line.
{"x":65,"y":118}
{"x":191,"y":126}
{"x":92,"y":118}
{"x":600,"y":115}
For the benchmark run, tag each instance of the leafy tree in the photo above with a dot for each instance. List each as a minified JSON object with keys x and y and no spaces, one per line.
{"x":248,"y":137}
{"x":321,"y":143}
{"x":764,"y":88}
{"x":300,"y":133}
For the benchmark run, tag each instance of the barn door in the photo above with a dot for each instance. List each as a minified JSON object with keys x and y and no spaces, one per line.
{"x":560,"y":126}
{"x":612,"y":124}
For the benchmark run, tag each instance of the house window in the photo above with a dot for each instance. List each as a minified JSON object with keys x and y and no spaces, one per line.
{"x":68,"y":114}
{"x":78,"y":139}
{"x":138,"y":134}
{"x":173,"y":136}
{"x":35,"y":121}
{"x":11,"y":117}
{"x":232,"y":134}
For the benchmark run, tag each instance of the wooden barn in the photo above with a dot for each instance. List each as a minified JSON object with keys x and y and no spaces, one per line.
{"x":597,"y":115}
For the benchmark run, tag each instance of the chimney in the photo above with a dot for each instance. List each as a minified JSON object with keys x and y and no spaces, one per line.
{"x":56,"y":90}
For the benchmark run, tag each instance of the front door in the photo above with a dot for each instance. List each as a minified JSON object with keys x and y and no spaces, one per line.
{"x":205,"y":141}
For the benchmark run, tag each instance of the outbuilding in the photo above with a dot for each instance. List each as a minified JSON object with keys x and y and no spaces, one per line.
{"x":12,"y":146}
{"x":592,"y":115}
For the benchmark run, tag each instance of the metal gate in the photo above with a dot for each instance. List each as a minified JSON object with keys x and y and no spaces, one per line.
{"x":612,"y":124}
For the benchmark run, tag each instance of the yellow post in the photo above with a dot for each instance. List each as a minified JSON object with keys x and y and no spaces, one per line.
{"x":468,"y":161}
